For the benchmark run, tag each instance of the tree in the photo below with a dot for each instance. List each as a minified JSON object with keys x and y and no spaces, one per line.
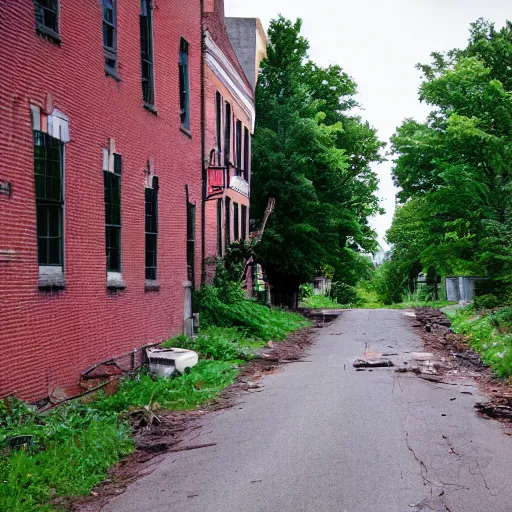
{"x":454,"y":170}
{"x":313,"y":156}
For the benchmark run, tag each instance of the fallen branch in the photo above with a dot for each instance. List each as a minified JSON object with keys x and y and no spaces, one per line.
{"x":195,"y":447}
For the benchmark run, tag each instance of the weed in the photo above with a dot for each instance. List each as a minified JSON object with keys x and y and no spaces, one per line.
{"x":488,"y":334}
{"x":320,"y":302}
{"x":254,"y":319}
{"x":62,"y":463}
{"x":182,"y":393}
{"x":218,"y":343}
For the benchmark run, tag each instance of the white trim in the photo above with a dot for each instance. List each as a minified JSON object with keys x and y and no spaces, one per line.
{"x":58,"y":125}
{"x":36,"y":117}
{"x":239,"y":185}
{"x":222,"y":67}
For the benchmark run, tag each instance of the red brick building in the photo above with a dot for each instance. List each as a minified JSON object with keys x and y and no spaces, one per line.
{"x":100,"y":108}
{"x":233,"y":49}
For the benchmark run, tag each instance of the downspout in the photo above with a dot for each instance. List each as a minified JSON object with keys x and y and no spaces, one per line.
{"x":203,"y":153}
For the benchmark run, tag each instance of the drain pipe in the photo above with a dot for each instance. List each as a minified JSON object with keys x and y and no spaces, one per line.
{"x":203,"y":153}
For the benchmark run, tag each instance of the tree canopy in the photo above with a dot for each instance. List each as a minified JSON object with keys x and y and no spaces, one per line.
{"x":454,"y":170}
{"x":313,"y":155}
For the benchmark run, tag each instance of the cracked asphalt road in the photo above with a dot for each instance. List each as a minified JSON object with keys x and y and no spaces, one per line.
{"x":323,"y":437}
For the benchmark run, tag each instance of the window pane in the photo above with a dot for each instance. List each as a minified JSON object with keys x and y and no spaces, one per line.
{"x":47,"y":13}
{"x":146,"y":51}
{"x":48,"y":167}
{"x":112,"y":198}
{"x":227,"y":135}
{"x":49,"y":195}
{"x":244,"y":222}
{"x":228,"y":221}
{"x":113,"y":245}
{"x":235,"y":221}
{"x":42,"y":220}
{"x":54,"y":251}
{"x":108,"y":36}
{"x":219,"y":227}
{"x":42,"y":251}
{"x":184,"y":85}
{"x":54,"y":221}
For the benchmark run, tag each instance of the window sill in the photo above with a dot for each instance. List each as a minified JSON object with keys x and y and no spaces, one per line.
{"x":112,"y":74}
{"x":151,"y":108}
{"x":51,"y":278}
{"x":48,"y":33}
{"x":186,"y":131}
{"x":151,"y":286}
{"x":115,"y":281}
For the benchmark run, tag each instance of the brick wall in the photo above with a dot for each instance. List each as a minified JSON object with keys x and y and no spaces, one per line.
{"x":48,"y":339}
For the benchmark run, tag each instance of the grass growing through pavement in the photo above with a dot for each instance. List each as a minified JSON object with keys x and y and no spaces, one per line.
{"x":73,"y":446}
{"x":490,"y":334}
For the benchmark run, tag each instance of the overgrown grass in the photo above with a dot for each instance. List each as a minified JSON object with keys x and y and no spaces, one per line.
{"x":73,"y":446}
{"x":490,"y":334}
{"x":219,"y":343}
{"x":407,"y":305}
{"x":254,"y":319}
{"x":320,"y":302}
{"x":71,"y":450}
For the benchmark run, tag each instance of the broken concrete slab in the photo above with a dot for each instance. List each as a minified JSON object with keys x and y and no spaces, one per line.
{"x":373,"y":363}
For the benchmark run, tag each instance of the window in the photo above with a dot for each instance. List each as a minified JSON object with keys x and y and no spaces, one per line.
{"x":146,"y":51}
{"x":228,"y":221}
{"x":184,"y":86}
{"x":112,"y":186}
{"x":218,"y":125}
{"x":219,"y":227}
{"x":238,"y":147}
{"x":236,"y":228}
{"x":47,"y":17}
{"x":151,"y":209}
{"x":227,"y":135}
{"x":244,"y":222}
{"x":191,"y":239}
{"x":48,"y":170}
{"x":247,"y":153}
{"x":110,"y":35}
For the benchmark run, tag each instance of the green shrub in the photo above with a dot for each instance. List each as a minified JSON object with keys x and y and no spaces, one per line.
{"x":488,"y":301}
{"x":344,"y":294}
{"x":305,"y":291}
{"x":217,"y":343}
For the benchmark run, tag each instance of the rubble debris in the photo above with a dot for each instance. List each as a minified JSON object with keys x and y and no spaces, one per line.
{"x":373,"y":363}
{"x":470,"y":356}
{"x":495,"y":409}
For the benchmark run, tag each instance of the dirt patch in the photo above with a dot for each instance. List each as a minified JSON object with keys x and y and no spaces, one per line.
{"x":160,"y":432}
{"x":458,"y":360}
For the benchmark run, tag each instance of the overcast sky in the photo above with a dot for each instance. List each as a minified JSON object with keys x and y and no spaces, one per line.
{"x":378,"y":43}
